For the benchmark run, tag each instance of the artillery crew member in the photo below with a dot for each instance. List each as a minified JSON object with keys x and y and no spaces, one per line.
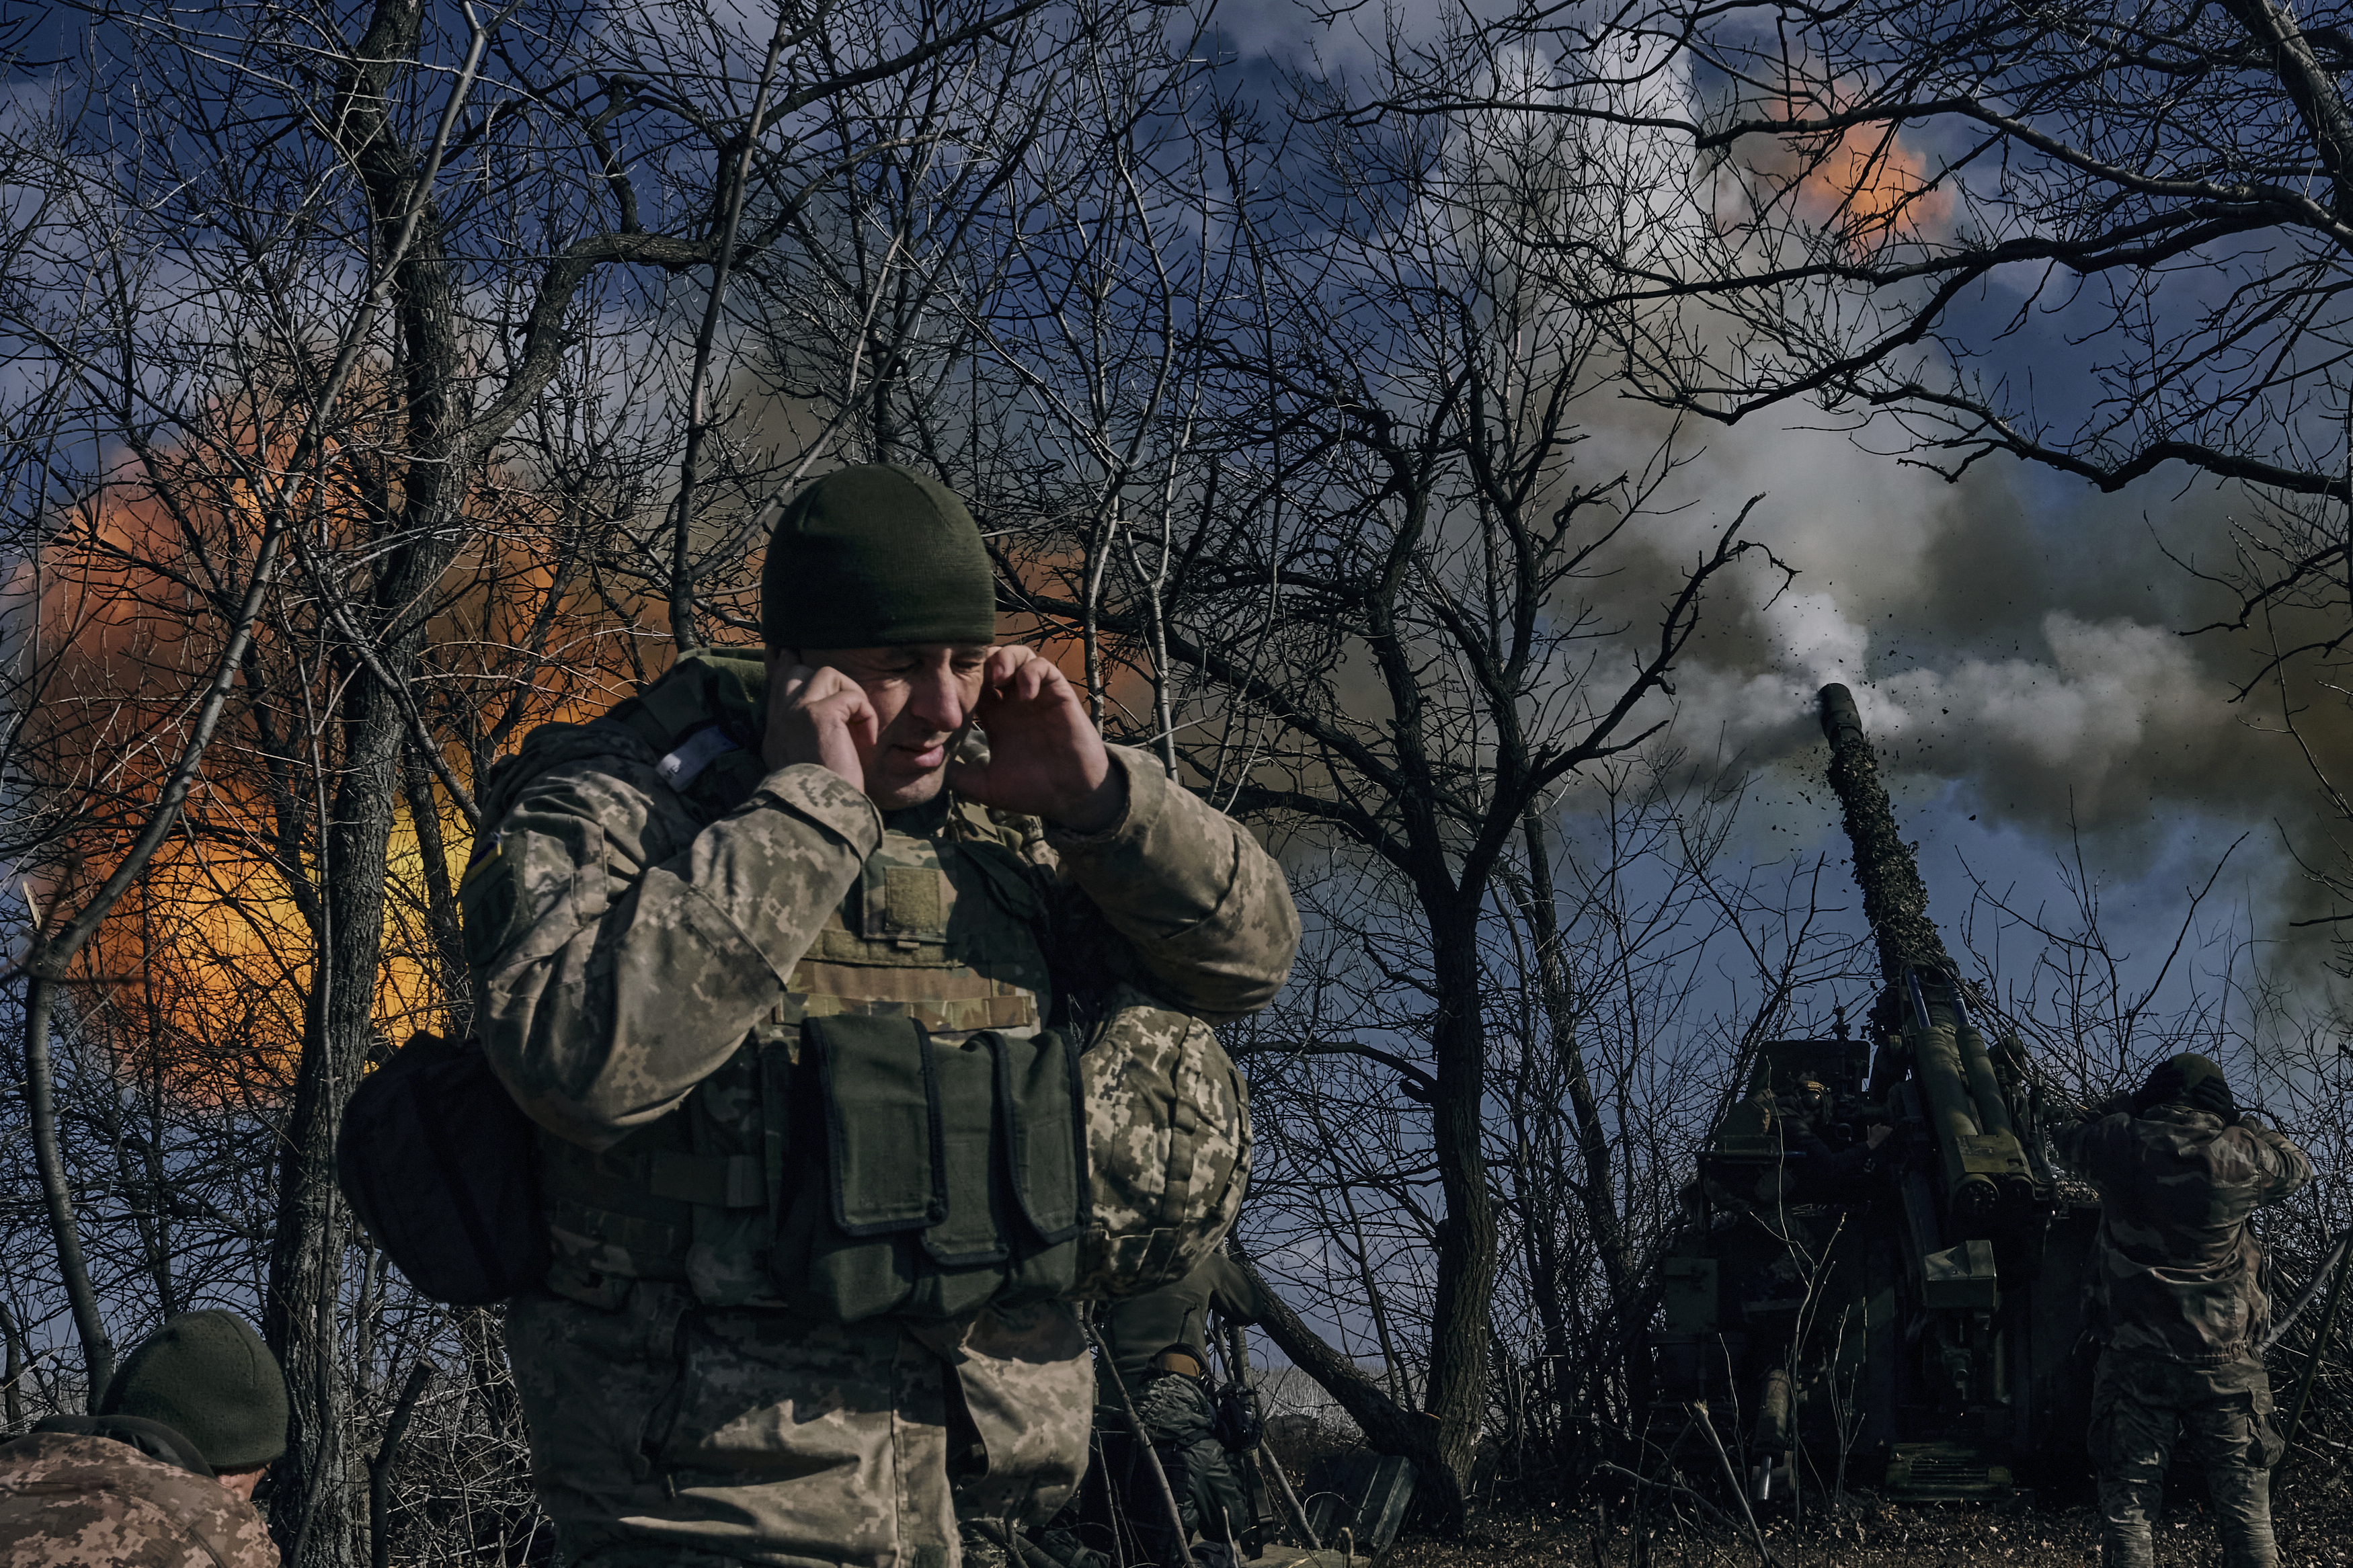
{"x":164,"y":1474}
{"x":1835,"y":1155}
{"x":782,"y":959}
{"x":2176,"y":1286}
{"x":1157,"y":1359}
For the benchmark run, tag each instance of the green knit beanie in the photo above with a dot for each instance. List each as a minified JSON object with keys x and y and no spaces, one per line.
{"x":207,"y":1376}
{"x":873,"y":556}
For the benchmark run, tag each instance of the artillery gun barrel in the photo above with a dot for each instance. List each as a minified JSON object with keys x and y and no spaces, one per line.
{"x":1993,"y":1113}
{"x":1983,"y":1164}
{"x":1894,"y":900}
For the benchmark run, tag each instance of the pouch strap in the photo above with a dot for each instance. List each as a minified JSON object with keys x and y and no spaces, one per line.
{"x":1043,"y":1103}
{"x":614,"y":1182}
{"x":715,"y":1181}
{"x":625,"y":1183}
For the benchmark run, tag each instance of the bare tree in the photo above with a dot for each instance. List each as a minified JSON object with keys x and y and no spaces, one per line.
{"x":347,"y":444}
{"x":1884,"y":207}
{"x":1331,"y":518}
{"x":1893,"y":214}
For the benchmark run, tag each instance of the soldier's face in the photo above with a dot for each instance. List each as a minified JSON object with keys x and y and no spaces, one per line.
{"x":922,"y":696}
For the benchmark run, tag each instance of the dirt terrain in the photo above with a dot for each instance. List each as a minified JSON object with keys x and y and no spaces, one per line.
{"x":1868,"y":1534}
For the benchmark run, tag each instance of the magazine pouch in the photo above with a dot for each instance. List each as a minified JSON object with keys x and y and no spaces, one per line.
{"x":932,"y":1177}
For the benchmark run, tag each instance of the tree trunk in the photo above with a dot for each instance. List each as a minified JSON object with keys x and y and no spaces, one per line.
{"x":1457,"y":1392}
{"x":56,"y":1191}
{"x":1597,"y":1193}
{"x":313,"y":1519}
{"x":11,"y":1379}
{"x":316,"y":1512}
{"x":441,"y":902}
{"x":1389,"y":1426}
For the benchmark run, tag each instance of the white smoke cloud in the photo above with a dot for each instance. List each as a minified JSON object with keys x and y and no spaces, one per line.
{"x":2090,"y":710}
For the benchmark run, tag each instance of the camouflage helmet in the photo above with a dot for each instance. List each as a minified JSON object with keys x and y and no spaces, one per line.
{"x":1168,"y":1147}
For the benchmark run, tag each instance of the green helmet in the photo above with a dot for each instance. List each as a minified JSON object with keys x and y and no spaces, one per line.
{"x":207,"y":1376}
{"x":2189,"y":1079}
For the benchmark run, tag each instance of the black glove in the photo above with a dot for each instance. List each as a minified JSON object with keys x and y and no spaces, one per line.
{"x":2213,"y":1095}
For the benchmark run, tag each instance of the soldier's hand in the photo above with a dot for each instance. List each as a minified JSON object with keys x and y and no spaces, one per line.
{"x":820,"y":715}
{"x":1044,"y":756}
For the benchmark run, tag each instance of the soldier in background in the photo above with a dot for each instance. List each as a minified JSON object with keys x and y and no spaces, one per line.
{"x":164,"y":1476}
{"x":1835,"y":1155}
{"x":752,"y":843}
{"x":2176,"y":1285}
{"x":1158,"y":1358}
{"x":1178,"y":1407}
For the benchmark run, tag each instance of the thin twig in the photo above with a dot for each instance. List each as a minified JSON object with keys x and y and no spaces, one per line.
{"x":1144,"y":1442}
{"x":387,"y":1453}
{"x":1732,"y":1474}
{"x":682,"y":578}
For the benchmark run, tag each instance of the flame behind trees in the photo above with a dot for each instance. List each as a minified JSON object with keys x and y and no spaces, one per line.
{"x":1861,"y":188}
{"x":199,"y":973}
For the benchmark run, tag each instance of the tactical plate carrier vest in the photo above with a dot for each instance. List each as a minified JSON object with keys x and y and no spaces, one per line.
{"x":901,"y":1135}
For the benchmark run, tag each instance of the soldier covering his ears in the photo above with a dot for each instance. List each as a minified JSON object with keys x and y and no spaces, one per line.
{"x":780,"y":970}
{"x":2176,"y":1285}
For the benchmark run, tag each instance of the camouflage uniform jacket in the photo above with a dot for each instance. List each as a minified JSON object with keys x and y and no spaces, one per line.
{"x":1180,"y":1414}
{"x":2176,"y":1268}
{"x":645,"y":947}
{"x":74,"y":1501}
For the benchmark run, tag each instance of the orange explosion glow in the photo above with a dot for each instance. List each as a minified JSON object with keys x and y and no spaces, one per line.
{"x":1057,"y":573}
{"x":203,"y":971}
{"x":1863,"y":186}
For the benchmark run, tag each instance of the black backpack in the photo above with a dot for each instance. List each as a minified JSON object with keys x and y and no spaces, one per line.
{"x":439,"y":1163}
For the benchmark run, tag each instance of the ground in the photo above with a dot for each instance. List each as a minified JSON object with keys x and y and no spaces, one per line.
{"x":1868,"y":1534}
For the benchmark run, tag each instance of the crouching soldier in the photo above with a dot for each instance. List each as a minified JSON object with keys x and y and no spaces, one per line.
{"x":1179,"y":1410}
{"x":164,"y":1474}
{"x":1156,"y":1361}
{"x":2175,"y":1276}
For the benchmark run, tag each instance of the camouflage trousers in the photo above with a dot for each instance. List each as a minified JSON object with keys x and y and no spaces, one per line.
{"x":2142,"y":1407}
{"x":1124,"y":1498}
{"x":665,"y":1432}
{"x":1179,"y":1415}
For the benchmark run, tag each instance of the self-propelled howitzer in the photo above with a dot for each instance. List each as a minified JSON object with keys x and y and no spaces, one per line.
{"x":1879,"y":1268}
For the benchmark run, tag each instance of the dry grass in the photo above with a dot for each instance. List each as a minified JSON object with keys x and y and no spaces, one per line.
{"x":1868,"y":1534}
